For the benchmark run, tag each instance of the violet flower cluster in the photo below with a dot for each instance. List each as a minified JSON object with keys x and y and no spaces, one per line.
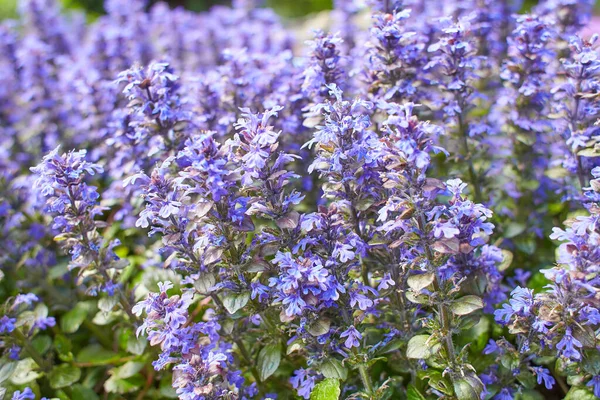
{"x":231,"y":205}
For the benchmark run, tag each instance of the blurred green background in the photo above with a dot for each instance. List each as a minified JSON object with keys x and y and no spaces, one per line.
{"x":286,"y":8}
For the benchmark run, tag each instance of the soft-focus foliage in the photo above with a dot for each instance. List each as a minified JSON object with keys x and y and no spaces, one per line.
{"x":201,"y":206}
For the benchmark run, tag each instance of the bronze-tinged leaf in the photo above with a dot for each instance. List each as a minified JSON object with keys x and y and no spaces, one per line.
{"x":408,"y":213}
{"x":432,"y":184}
{"x":446,"y":246}
{"x":288,"y":221}
{"x":212,"y":255}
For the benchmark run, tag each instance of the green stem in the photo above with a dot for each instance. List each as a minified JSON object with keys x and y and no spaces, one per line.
{"x":445,"y":320}
{"x":99,"y":335}
{"x":98,"y":263}
{"x":560,"y":380}
{"x":149,"y":380}
{"x":68,"y":391}
{"x":122,"y":298}
{"x":248,"y":359}
{"x":362,"y":369}
{"x":574,"y":125}
{"x":366,"y":378}
{"x":37,"y":357}
{"x":244,"y":352}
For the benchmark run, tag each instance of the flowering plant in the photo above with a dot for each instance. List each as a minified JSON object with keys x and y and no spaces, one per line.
{"x":197,"y":206}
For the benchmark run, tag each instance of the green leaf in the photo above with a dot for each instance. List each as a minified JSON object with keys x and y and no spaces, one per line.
{"x":6,"y":370}
{"x":168,"y":392}
{"x":514,"y":229}
{"x":437,"y":381}
{"x":329,"y":389}
{"x":468,"y":387}
{"x":576,"y":380}
{"x":205,"y":282}
{"x":103,"y":318}
{"x":166,"y":389}
{"x":268,"y":360}
{"x":510,"y":361}
{"x":466,"y":305}
{"x":64,"y":375}
{"x":507,"y":259}
{"x":81,"y":392}
{"x":527,"y":379}
{"x":580,"y":393}
{"x":529,"y":395}
{"x":526,"y":138}
{"x":58,"y":271}
{"x":136,"y":345}
{"x":72,"y":320}
{"x":412,"y":393}
{"x":416,"y":298}
{"x":556,"y":173}
{"x":234,"y":302}
{"x":589,"y":152}
{"x":127,"y":370}
{"x":94,"y":376}
{"x":419,"y":348}
{"x":115,"y":385}
{"x":419,"y":282}
{"x":294,"y":346}
{"x":227,"y":326}
{"x":29,"y":317}
{"x":42,"y":343}
{"x":63,"y":345}
{"x":333,"y":368}
{"x":25,"y":372}
{"x":96,"y":355}
{"x":527,"y":244}
{"x":591,"y":362}
{"x":319,"y":327}
{"x":392,"y":346}
{"x":108,"y":303}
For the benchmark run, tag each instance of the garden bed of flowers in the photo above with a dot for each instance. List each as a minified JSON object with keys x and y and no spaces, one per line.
{"x":206,"y":206}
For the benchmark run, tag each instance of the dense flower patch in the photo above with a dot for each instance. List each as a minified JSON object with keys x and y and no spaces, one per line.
{"x":202,"y":206}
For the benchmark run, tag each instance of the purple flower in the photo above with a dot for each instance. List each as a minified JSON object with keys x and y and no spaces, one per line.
{"x":74,"y":206}
{"x":491,"y":347}
{"x":543,"y":374}
{"x":14,"y":352}
{"x":595,"y":383}
{"x":358,"y":298}
{"x":385,"y":283}
{"x":521,"y":303}
{"x":7,"y":324}
{"x":28,"y":299}
{"x":26,"y":394}
{"x":299,"y":194}
{"x":522,"y":300}
{"x":568,"y":345}
{"x":324,"y":68}
{"x":303,"y":284}
{"x":352,"y":337}
{"x":303,"y":381}
{"x":504,"y":394}
{"x":259,"y":291}
{"x":569,"y":15}
{"x":44,"y":323}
